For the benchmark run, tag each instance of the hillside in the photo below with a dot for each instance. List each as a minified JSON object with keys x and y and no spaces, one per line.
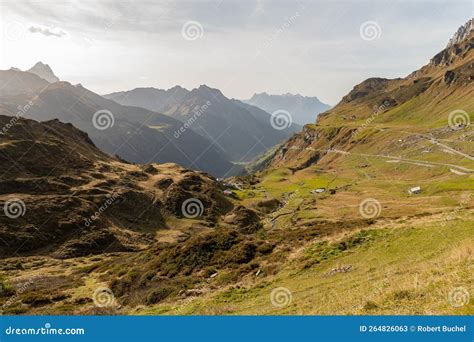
{"x":62,"y":198}
{"x":54,"y":180}
{"x":431,"y":109}
{"x":303,"y":109}
{"x":14,"y":82}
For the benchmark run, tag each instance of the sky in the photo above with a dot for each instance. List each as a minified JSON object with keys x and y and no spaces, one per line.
{"x":314,"y":48}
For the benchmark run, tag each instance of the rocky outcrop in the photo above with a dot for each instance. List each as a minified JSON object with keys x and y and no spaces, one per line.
{"x":462,"y":33}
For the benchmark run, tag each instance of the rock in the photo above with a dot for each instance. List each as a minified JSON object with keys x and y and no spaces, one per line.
{"x":269,"y":205}
{"x":243,"y":219}
{"x":340,"y":269}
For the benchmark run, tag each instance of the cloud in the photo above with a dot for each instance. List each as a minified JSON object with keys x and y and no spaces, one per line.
{"x":55,"y":31}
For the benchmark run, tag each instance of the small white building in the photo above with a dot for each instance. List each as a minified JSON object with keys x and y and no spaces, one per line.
{"x":228,"y":192}
{"x":318,"y":191}
{"x":415,"y":190}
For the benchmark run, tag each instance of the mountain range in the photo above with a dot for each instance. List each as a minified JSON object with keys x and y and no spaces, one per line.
{"x":135,"y":134}
{"x":241,"y":131}
{"x":303,"y":109}
{"x":200,"y":129}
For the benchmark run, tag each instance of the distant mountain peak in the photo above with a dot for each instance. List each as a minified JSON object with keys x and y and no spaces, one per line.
{"x":177,"y":87}
{"x":205,"y":90}
{"x":44,"y":71}
{"x":462,"y":33}
{"x":287,"y":95}
{"x":206,"y":87}
{"x":303,"y":109}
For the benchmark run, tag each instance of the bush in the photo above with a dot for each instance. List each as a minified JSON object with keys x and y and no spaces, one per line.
{"x":5,"y":288}
{"x":157,"y":295}
{"x":370,"y":306}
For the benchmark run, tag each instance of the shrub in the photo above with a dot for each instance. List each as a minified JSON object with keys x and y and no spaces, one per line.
{"x":159,"y":294}
{"x":5,"y":288}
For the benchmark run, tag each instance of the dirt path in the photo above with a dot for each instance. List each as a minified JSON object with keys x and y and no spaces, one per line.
{"x":398,"y":159}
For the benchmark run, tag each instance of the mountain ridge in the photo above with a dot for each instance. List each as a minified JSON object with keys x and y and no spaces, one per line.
{"x":138,"y":135}
{"x":241,"y":132}
{"x":303,"y":109}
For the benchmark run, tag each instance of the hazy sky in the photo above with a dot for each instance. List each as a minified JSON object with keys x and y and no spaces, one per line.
{"x":316,"y":48}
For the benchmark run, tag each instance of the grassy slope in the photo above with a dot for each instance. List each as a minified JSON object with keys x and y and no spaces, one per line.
{"x":405,"y":268}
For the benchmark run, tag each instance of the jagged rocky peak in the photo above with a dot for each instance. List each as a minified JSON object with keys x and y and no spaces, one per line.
{"x":462,"y":33}
{"x":303,"y":109}
{"x":206,"y":91}
{"x":458,"y":47}
{"x":44,"y":71}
